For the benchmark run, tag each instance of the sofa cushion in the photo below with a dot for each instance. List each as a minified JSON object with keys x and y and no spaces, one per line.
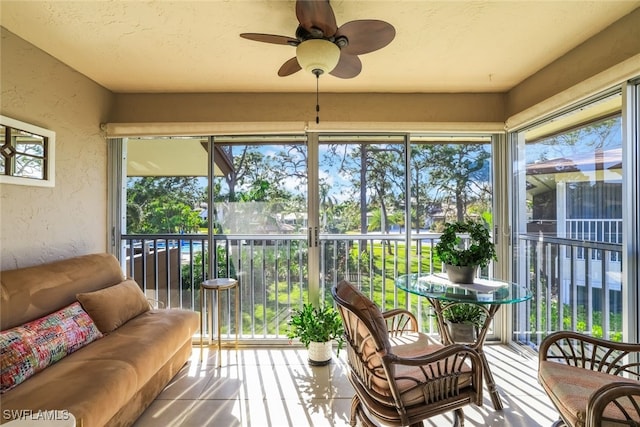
{"x":114,"y":306}
{"x":105,"y":376}
{"x":30,"y":348}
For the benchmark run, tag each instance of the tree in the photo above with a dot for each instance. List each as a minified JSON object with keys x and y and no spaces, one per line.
{"x":339,"y":210}
{"x":376,"y":221}
{"x":420,"y":195}
{"x":327,"y":207}
{"x":259,"y":187}
{"x":458,"y":173}
{"x":164,"y":204}
{"x":382,"y":171}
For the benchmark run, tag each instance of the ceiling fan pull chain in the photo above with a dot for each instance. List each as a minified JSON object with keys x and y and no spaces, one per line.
{"x":317,"y":98}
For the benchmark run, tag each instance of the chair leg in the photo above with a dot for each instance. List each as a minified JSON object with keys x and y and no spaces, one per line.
{"x":418,"y":424}
{"x":458,"y":418}
{"x":358,"y":412}
{"x":355,"y":404}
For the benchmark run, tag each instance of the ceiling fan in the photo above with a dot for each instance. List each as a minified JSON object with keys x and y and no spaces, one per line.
{"x":322,"y":46}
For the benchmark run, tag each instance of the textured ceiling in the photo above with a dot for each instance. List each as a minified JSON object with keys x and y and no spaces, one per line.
{"x":193,"y":46}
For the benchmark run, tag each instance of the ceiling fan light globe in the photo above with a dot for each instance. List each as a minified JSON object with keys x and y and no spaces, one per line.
{"x":317,"y":54}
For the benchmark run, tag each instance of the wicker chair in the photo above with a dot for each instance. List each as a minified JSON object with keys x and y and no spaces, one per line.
{"x":592,"y":382}
{"x":400,"y":376}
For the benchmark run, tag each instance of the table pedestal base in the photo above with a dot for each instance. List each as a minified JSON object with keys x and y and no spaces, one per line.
{"x":439,"y":307}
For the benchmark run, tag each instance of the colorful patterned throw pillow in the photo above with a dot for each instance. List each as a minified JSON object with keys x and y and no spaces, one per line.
{"x":29,"y":348}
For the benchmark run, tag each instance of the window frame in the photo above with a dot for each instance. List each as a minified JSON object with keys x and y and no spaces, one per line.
{"x":48,"y":179}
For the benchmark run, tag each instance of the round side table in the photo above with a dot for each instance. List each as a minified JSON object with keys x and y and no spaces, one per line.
{"x":215,"y":286}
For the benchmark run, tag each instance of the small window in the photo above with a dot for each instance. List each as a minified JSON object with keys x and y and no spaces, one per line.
{"x":26,"y":154}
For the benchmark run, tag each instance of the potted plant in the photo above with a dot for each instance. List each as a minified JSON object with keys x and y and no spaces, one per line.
{"x":316,"y":327}
{"x":462,"y":261}
{"x":464,"y":321}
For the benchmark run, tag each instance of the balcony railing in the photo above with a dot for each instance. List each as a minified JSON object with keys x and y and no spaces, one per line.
{"x":570,"y":291}
{"x":272,"y":271}
{"x":576,"y":285}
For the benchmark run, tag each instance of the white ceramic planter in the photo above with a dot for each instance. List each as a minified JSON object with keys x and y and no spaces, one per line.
{"x":319,"y":353}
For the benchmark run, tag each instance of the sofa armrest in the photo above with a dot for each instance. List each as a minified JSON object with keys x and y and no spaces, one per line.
{"x":612,"y":403}
{"x":583,"y":351}
{"x":400,"y":321}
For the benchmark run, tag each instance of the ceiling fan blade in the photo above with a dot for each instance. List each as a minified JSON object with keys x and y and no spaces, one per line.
{"x":289,"y":67}
{"x":348,"y":66}
{"x":316,"y":14}
{"x":270,"y":38}
{"x":366,"y":35}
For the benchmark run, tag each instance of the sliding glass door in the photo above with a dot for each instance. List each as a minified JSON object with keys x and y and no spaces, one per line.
{"x":384,"y":198}
{"x":291,"y":215}
{"x":361,"y":213}
{"x":569,"y":228}
{"x":259,"y":220}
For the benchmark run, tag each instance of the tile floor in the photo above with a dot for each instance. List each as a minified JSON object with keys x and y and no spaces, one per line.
{"x":265,"y":387}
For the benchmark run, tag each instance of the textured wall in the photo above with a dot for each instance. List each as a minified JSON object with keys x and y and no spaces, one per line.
{"x":40,"y":224}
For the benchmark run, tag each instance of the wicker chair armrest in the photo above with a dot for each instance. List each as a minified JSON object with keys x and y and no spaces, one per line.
{"x":463,"y":352}
{"x":400,"y":321}
{"x":624,"y":395}
{"x":558,"y":336}
{"x":576,"y":349}
{"x":443,"y":365}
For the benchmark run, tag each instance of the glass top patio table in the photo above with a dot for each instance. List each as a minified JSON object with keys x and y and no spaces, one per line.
{"x":489,"y":294}
{"x":481,"y":291}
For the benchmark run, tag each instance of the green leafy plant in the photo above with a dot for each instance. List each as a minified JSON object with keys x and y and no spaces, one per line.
{"x":317,"y":324}
{"x":451,"y":250}
{"x":465,"y":313}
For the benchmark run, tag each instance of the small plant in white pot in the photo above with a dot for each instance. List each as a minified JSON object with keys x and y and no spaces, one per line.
{"x":316,"y":328}
{"x":461,"y":262}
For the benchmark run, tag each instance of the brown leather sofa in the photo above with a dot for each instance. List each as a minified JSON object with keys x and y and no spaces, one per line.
{"x":109,"y":381}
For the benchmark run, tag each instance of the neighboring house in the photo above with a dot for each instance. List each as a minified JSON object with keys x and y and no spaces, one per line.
{"x":580,"y":198}
{"x":298,"y":220}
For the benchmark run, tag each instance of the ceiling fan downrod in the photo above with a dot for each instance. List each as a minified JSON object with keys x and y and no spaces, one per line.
{"x":317,"y":72}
